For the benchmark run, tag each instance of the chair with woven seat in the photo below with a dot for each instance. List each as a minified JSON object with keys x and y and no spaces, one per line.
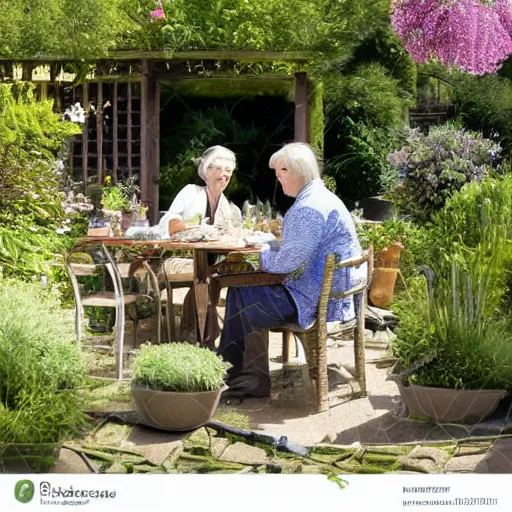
{"x":115,"y":299}
{"x":314,"y":338}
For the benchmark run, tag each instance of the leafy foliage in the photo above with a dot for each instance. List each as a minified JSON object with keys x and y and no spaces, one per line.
{"x":437,"y":164}
{"x":468,"y":348}
{"x":81,"y":30}
{"x":463,"y":321}
{"x":474,"y":229}
{"x":363,"y":110}
{"x":31,"y":135}
{"x":252,"y":139}
{"x":91,"y":28}
{"x":41,"y":371}
{"x":369,"y":94}
{"x":362,"y":170}
{"x":178,"y":367}
{"x":417,"y":241}
{"x":485,"y":104}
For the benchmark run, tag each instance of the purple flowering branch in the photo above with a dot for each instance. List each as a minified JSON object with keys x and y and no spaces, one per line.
{"x":473,"y":35}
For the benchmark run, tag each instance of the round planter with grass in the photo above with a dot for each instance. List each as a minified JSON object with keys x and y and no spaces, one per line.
{"x":168,"y":410}
{"x":177,"y":386}
{"x":450,"y":405}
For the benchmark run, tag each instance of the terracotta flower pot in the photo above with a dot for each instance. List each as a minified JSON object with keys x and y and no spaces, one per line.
{"x":169,"y":410}
{"x":451,"y":405}
{"x":387,"y":263}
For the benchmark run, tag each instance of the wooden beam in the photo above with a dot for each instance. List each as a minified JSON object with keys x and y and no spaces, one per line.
{"x":129,"y":128}
{"x":301,"y":108}
{"x":150,"y":141}
{"x":115,"y":149}
{"x":85,"y":136}
{"x":99,"y":132}
{"x":238,"y":55}
{"x":43,"y":95}
{"x":169,"y":76}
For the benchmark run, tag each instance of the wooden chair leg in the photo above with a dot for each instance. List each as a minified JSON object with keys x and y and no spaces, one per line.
{"x":317,"y":364}
{"x":135,"y":325}
{"x":322,"y":391}
{"x":359,"y":352}
{"x":170,"y":313}
{"x":286,"y":346}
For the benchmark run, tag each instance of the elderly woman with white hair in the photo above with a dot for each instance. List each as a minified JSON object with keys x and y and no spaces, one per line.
{"x":317,"y":224}
{"x":215,"y":168}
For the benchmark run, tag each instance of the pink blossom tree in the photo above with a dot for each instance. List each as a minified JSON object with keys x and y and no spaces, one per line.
{"x":474,"y":35}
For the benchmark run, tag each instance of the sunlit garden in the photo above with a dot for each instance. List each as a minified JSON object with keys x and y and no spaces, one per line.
{"x":157,"y":159}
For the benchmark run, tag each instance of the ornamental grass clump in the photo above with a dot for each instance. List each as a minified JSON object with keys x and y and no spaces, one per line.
{"x":450,"y":339}
{"x":178,"y":367}
{"x":41,"y":370}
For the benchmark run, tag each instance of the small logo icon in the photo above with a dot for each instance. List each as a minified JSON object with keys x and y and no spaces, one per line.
{"x":24,"y":491}
{"x":45,"y":489}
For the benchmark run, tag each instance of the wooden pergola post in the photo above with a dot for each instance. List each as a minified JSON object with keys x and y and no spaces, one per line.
{"x":150,"y":140}
{"x":301,"y":108}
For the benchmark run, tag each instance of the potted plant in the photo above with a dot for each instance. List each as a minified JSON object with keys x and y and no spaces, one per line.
{"x":120,"y":202}
{"x":458,"y":352}
{"x":177,"y":386}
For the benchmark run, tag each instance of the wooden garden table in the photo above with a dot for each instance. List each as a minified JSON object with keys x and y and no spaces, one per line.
{"x":202,"y":274}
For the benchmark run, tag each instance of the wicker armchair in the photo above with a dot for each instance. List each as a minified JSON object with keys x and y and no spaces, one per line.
{"x":314,"y":339}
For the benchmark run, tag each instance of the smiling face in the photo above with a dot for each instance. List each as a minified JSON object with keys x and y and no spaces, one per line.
{"x":218,"y":178}
{"x":291,"y":184}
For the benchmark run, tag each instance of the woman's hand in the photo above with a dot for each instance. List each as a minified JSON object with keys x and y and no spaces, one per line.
{"x":175,"y":226}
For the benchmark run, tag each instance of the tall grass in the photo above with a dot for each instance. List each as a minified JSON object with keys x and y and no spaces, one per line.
{"x":473,"y":349}
{"x":41,"y":370}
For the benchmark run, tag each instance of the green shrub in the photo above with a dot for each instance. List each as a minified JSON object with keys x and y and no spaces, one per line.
{"x":362,"y":169}
{"x":474,"y":229}
{"x":31,"y":136}
{"x":438,"y":164}
{"x":41,"y":370}
{"x":485,"y":104}
{"x":417,"y":241}
{"x":468,"y":348}
{"x":368,"y":94}
{"x":178,"y":367}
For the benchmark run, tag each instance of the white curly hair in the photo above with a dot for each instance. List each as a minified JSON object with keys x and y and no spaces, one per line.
{"x":299,"y":158}
{"x":216,"y":157}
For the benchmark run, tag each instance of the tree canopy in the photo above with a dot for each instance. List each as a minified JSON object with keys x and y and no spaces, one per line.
{"x":90,"y":29}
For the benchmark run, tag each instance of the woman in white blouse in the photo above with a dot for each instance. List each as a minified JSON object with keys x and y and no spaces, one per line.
{"x":215,"y":168}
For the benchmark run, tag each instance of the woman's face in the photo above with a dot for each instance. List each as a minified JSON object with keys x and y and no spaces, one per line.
{"x":218,"y":178}
{"x":290,"y":183}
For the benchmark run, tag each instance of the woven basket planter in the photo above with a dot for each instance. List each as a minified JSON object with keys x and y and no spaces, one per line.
{"x":170,"y":410}
{"x":451,"y":405}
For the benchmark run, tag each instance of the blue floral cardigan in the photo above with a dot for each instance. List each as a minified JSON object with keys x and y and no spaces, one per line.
{"x":317,"y":224}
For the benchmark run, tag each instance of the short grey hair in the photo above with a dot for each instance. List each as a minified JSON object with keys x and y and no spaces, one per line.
{"x":299,"y":158}
{"x":216,"y":157}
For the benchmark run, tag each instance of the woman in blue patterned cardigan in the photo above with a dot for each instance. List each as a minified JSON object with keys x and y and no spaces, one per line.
{"x":317,"y":224}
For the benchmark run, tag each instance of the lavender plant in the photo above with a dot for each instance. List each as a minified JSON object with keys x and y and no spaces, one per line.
{"x":433,"y":166}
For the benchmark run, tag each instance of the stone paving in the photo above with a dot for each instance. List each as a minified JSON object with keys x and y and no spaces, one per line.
{"x":367,"y":435}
